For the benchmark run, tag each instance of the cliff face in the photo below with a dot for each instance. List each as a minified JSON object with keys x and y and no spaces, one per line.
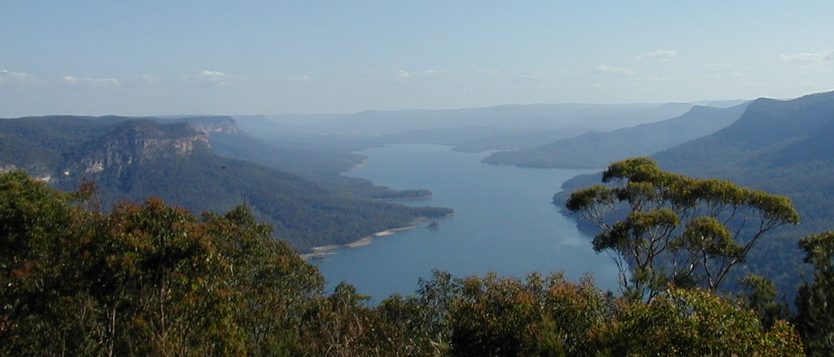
{"x":210,"y":124}
{"x":67,"y":148}
{"x":134,"y":143}
{"x":222,"y":125}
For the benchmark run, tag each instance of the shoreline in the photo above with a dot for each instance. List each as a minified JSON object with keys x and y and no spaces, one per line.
{"x":406,"y":198}
{"x":325,"y":250}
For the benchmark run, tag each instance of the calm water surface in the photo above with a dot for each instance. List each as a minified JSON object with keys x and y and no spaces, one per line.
{"x":503,"y":222}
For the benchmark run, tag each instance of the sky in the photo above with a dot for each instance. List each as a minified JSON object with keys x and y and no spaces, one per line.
{"x":272,"y":57}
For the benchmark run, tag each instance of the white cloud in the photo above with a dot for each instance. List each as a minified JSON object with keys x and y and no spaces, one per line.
{"x":715,"y":71}
{"x":11,"y":77}
{"x":403,"y":74}
{"x":615,"y":70}
{"x":817,"y":58}
{"x":210,"y":78}
{"x":718,"y":66}
{"x":505,"y":74}
{"x":425,"y":73}
{"x":90,"y":82}
{"x":300,"y":79}
{"x":660,"y":55}
{"x":145,"y":81}
{"x":150,"y":78}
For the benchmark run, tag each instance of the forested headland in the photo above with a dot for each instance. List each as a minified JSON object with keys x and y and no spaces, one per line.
{"x":300,"y":193}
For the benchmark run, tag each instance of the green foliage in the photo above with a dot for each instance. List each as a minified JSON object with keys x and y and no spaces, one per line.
{"x":783,"y":147}
{"x":759,"y":295}
{"x":815,"y":318}
{"x":694,"y":323}
{"x":338,"y":325}
{"x":589,"y":197}
{"x":144,"y":279}
{"x":38,"y":144}
{"x":539,"y":316}
{"x":670,"y":228}
{"x":152,"y":279}
{"x":493,"y":317}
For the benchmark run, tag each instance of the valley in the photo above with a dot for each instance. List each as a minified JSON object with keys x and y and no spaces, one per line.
{"x":503,"y":223}
{"x":416,"y":178}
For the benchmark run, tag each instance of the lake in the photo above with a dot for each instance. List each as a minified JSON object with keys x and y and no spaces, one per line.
{"x":504,"y":222}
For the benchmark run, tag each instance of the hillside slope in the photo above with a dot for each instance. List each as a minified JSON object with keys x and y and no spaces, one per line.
{"x":783,"y":147}
{"x":321,"y":166}
{"x":132,"y":159}
{"x":502,"y":127}
{"x":597,"y":149}
{"x":780,"y":146}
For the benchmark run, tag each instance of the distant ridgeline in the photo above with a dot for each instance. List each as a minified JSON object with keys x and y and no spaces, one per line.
{"x":783,"y":147}
{"x":175,"y":159}
{"x":597,"y":149}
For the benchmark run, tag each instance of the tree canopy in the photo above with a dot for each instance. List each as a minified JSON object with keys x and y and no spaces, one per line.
{"x":144,"y":279}
{"x":664,"y":228}
{"x":151,"y":279}
{"x":815,"y":317}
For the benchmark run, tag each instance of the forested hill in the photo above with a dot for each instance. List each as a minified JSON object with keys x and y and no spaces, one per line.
{"x":38,"y":144}
{"x":320,"y":165}
{"x":598,"y":149}
{"x":783,"y":147}
{"x":132,"y":159}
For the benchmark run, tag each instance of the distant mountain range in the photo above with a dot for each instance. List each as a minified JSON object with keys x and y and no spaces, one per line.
{"x":501,"y":127}
{"x":785,"y":147}
{"x":782,"y":146}
{"x":598,"y":149}
{"x":172,"y":158}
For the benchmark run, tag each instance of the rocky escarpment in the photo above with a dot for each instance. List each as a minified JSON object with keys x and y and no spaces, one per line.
{"x":210,"y":124}
{"x":66,"y":148}
{"x":133,"y":143}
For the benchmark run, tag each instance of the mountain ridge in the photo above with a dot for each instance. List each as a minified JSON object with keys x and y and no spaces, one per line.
{"x":780,"y":146}
{"x":597,"y":149}
{"x":132,"y":159}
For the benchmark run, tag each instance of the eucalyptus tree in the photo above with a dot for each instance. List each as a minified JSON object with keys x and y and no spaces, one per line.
{"x":815,"y":318}
{"x":663,"y":228}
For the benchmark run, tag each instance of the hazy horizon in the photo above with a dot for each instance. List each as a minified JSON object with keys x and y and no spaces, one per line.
{"x":161,"y":58}
{"x":197,"y":114}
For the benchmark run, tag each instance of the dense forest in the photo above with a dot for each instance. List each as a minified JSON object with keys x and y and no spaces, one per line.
{"x":154,"y":279}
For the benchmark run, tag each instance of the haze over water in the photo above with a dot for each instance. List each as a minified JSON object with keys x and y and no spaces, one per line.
{"x":503,"y":222}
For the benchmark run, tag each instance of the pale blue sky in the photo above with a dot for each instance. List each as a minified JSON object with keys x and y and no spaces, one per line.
{"x":269,"y":57}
